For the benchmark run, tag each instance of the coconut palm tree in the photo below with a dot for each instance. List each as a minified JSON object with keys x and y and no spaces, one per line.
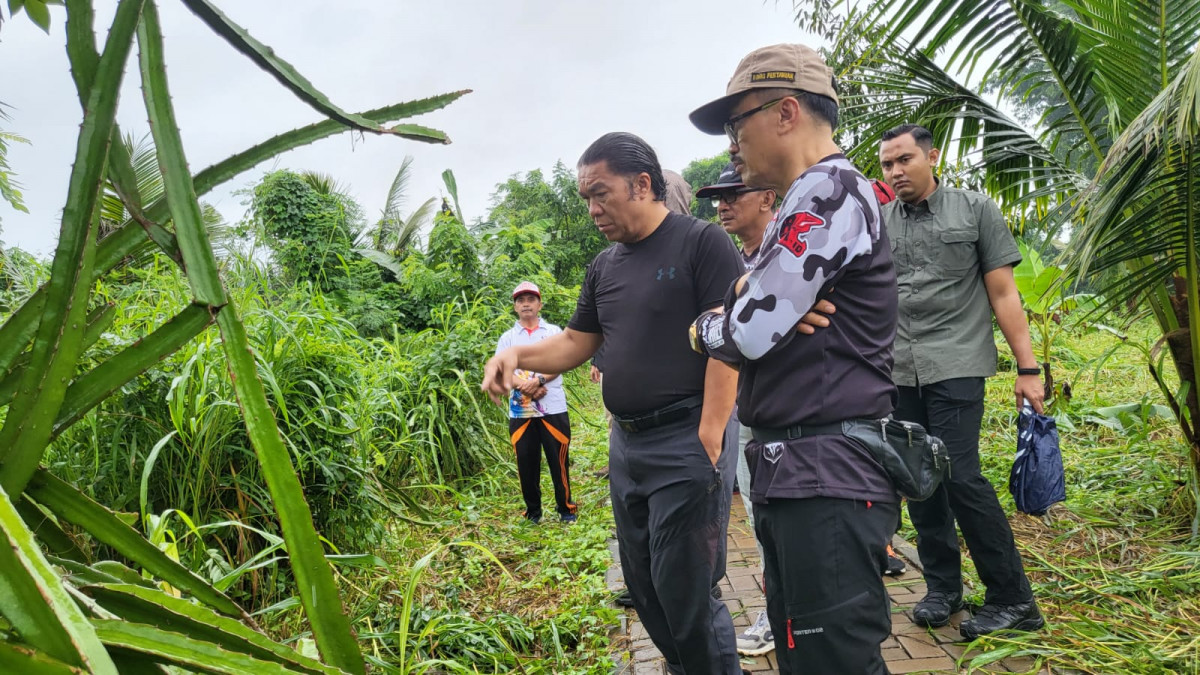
{"x":149,"y":180}
{"x":395,"y":234}
{"x":1102,"y":142}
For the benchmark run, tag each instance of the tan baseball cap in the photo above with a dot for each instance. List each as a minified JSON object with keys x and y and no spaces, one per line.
{"x":787,"y":66}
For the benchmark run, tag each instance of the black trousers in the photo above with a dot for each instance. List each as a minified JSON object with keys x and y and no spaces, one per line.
{"x":531,"y":438}
{"x":953,"y":411}
{"x":671,"y":508}
{"x":826,"y":600}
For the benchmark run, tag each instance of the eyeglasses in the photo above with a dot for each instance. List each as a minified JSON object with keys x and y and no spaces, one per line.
{"x":731,"y":196}
{"x":730,"y":128}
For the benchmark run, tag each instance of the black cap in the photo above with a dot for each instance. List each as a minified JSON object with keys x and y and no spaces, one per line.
{"x":729,"y":179}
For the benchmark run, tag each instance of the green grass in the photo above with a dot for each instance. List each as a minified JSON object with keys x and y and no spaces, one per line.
{"x":404,"y":461}
{"x":1113,"y":568}
{"x":546,"y":611}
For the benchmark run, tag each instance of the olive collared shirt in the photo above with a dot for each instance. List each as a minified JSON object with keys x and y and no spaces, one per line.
{"x":942,"y":246}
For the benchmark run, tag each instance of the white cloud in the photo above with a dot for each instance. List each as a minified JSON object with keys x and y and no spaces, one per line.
{"x":548,"y":78}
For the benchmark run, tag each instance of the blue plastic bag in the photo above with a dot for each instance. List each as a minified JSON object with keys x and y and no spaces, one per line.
{"x":1036,"y":480}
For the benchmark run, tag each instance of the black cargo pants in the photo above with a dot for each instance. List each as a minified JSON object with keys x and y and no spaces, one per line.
{"x":826,"y":600}
{"x":952,"y":410}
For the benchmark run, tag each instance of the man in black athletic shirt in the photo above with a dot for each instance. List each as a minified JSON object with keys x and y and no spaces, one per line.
{"x":670,"y":478}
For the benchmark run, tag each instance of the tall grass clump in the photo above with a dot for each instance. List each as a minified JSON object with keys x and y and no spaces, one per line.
{"x":366,"y":421}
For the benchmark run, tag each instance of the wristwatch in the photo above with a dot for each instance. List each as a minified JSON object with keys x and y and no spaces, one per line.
{"x":542,"y":380}
{"x":1029,"y":371}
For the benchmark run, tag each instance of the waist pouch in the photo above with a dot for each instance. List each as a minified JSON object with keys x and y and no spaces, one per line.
{"x":915,"y":461}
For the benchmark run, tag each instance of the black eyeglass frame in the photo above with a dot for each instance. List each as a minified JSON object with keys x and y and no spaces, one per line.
{"x":730,"y":196}
{"x":731,"y":130}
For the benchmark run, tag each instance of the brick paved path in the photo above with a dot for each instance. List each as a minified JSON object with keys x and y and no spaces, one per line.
{"x":911,"y":649}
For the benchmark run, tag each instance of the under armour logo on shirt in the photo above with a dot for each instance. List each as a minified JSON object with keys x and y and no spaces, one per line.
{"x":669,"y":272}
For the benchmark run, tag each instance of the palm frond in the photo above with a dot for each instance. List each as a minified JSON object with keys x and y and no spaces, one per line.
{"x":1135,"y":48}
{"x":408,"y":236}
{"x":1038,"y":48}
{"x":322,"y":183}
{"x":386,"y":230}
{"x":382,"y":259}
{"x":1143,"y":206}
{"x":1017,"y":168}
{"x":397,"y":195}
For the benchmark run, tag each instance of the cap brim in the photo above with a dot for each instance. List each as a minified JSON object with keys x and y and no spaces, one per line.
{"x":712,"y":190}
{"x":710,"y":118}
{"x":515,"y":295}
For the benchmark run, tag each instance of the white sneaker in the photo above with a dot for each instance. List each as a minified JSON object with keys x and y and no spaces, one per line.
{"x":758,"y":639}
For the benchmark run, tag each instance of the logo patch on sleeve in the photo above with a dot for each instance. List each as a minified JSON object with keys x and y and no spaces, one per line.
{"x":793,"y":232}
{"x":713,"y":335}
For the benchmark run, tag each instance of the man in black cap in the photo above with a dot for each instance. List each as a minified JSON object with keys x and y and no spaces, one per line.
{"x":743,"y":211}
{"x":823,"y":506}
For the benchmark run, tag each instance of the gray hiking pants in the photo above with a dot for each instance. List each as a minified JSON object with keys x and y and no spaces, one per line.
{"x":672,"y":514}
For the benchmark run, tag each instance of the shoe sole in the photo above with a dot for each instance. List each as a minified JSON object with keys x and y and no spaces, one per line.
{"x":758,"y":651}
{"x":1027,"y":625}
{"x":937,"y":624}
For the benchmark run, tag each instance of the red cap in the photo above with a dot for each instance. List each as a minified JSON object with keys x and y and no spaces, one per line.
{"x":526,"y":287}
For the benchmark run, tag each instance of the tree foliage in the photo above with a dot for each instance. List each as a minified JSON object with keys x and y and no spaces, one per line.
{"x":10,"y":189}
{"x":572,"y":239}
{"x":701,"y":172}
{"x":1111,"y":92}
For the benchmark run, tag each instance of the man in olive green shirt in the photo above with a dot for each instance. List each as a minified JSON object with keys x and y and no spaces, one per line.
{"x":954,"y":260}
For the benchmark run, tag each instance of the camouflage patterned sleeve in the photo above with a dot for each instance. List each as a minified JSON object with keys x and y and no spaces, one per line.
{"x":820,"y":229}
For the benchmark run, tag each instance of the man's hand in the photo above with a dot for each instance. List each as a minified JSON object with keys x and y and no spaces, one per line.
{"x":818,"y":317}
{"x":712,"y":440}
{"x":498,"y":376}
{"x":595,"y":375}
{"x":539,"y":394}
{"x":1029,"y":388}
{"x":528,"y":387}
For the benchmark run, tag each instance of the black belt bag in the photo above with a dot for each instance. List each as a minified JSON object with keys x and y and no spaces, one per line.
{"x":915,"y":461}
{"x":657,"y":418}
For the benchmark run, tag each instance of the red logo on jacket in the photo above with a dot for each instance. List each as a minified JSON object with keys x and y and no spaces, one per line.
{"x":793,"y":231}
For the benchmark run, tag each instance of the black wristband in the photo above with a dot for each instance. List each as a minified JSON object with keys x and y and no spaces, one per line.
{"x":1029,"y":371}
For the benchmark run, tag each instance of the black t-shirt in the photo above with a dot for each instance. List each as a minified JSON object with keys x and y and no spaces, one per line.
{"x":642,"y":297}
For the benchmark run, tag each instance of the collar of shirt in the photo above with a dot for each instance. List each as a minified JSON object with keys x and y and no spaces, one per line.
{"x":531,"y":331}
{"x":931,"y":204}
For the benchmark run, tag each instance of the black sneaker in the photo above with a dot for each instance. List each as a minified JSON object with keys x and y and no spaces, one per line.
{"x":624,"y":599}
{"x":935,"y":608}
{"x":895,"y":566}
{"x":991,"y":618}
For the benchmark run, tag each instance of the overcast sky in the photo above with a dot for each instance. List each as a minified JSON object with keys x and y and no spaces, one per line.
{"x":549,"y":76}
